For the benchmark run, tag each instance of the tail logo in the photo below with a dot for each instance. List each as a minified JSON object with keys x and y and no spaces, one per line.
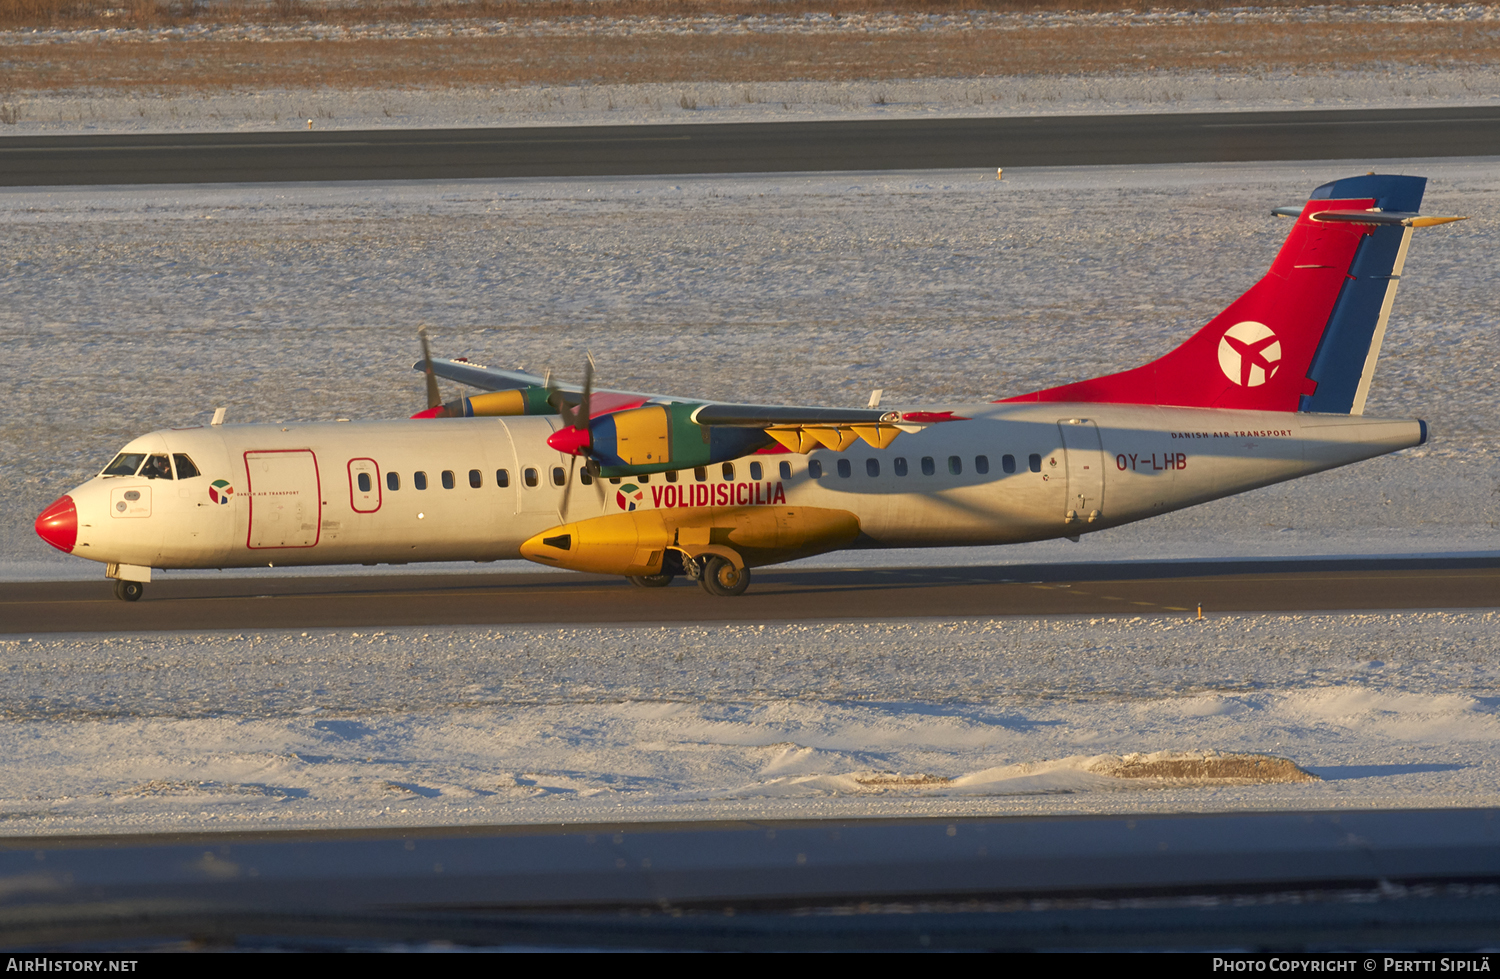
{"x":1249,"y":354}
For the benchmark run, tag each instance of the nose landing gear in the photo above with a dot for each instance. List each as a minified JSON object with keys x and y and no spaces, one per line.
{"x":129,"y":591}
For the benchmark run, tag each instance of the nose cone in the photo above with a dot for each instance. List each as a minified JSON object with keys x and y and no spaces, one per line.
{"x":58,"y":525}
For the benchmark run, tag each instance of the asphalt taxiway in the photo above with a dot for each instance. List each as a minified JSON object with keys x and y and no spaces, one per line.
{"x":1283,"y":880}
{"x":766,"y":147}
{"x":776,"y":595}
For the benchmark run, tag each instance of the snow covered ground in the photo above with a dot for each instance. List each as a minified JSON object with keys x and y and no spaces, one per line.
{"x":383,"y":727}
{"x":104,"y":111}
{"x":128,"y":309}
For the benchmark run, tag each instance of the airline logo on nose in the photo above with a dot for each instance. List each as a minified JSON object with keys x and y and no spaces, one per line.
{"x":1249,"y":354}
{"x":220,"y":491}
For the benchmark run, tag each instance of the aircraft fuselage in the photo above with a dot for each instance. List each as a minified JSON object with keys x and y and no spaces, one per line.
{"x":476,"y":489}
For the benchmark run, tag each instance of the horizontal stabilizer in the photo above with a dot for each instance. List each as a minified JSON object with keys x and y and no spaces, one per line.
{"x":1404,"y":219}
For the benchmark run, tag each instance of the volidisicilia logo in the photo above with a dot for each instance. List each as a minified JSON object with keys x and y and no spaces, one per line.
{"x":629,"y":497}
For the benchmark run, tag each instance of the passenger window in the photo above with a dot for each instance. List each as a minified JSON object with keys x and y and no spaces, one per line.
{"x":615,"y":480}
{"x":786,"y":470}
{"x":1035,"y":461}
{"x":844,"y":468}
{"x":502,"y":478}
{"x":125,"y":464}
{"x":872,"y":467}
{"x":815,"y":468}
{"x":157,"y":467}
{"x":755,"y":470}
{"x":728,"y":470}
{"x":982,"y":464}
{"x":672,"y":476}
{"x":419,"y":480}
{"x":1008,"y":463}
{"x":185,"y":467}
{"x":393,"y":481}
{"x":899,"y":465}
{"x":928,"y":466}
{"x":585,"y":478}
{"x":644,"y":477}
{"x":364,"y":483}
{"x":448,"y":481}
{"x":530,"y":477}
{"x":701,"y":474}
{"x":955,"y":465}
{"x":476,"y":479}
{"x":560,"y":476}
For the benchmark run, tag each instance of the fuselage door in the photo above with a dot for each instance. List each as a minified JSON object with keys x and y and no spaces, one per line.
{"x":364,"y":485}
{"x":285,"y":507}
{"x":1083,"y":456}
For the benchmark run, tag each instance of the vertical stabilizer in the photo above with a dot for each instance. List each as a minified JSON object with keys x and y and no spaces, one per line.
{"x":1307,"y":336}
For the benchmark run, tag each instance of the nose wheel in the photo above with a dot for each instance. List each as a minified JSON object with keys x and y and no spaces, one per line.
{"x":129,"y":591}
{"x":650,"y":580}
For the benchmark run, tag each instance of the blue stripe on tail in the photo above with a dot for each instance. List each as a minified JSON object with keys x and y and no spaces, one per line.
{"x":1340,"y":358}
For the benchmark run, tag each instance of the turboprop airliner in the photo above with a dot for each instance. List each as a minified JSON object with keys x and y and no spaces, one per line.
{"x":653,"y":487}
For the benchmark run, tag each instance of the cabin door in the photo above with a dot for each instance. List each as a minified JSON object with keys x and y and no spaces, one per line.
{"x":285,"y":507}
{"x":1083,"y":457}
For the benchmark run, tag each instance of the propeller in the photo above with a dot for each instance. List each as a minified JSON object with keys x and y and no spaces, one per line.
{"x":435,"y":408}
{"x":576,"y":437}
{"x":434,"y":398}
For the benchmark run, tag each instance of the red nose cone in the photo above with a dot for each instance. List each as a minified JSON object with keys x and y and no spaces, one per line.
{"x":58,"y":525}
{"x":570,"y":440}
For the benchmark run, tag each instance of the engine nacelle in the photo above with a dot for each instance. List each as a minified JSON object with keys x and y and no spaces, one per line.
{"x":658,"y":438}
{"x":638,"y":542}
{"x":520,"y":401}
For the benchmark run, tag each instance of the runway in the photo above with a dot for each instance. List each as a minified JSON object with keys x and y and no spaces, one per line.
{"x":776,"y":595}
{"x":778,"y":147}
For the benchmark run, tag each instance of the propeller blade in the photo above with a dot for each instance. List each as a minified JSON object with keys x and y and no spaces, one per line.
{"x":581,"y":419}
{"x":434,"y":398}
{"x":562,"y":510}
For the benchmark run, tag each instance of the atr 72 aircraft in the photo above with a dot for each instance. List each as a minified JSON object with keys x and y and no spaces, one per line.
{"x":1271,"y":389}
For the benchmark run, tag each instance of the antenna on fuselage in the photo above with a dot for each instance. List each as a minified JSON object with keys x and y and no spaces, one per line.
{"x":219,"y":414}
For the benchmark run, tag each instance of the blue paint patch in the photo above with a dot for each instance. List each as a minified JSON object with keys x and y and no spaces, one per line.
{"x":1340,"y":358}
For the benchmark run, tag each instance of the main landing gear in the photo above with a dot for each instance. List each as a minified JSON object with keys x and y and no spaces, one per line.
{"x":716,"y":575}
{"x":722,"y":578}
{"x":129,"y":591}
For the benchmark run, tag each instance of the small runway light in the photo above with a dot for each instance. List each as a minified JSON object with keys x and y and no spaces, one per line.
{"x":1200,"y":611}
{"x":309,"y":124}
{"x":999,"y":173}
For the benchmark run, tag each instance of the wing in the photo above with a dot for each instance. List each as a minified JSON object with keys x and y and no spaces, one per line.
{"x":632,"y":432}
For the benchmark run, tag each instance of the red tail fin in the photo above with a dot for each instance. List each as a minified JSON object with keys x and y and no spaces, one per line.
{"x":1263,"y":352}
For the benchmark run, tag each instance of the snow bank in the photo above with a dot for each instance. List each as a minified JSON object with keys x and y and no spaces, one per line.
{"x":436,"y":727}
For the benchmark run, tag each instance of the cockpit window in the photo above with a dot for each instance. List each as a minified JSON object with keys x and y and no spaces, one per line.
{"x":157,"y":467}
{"x":125,"y":464}
{"x":185,"y":467}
